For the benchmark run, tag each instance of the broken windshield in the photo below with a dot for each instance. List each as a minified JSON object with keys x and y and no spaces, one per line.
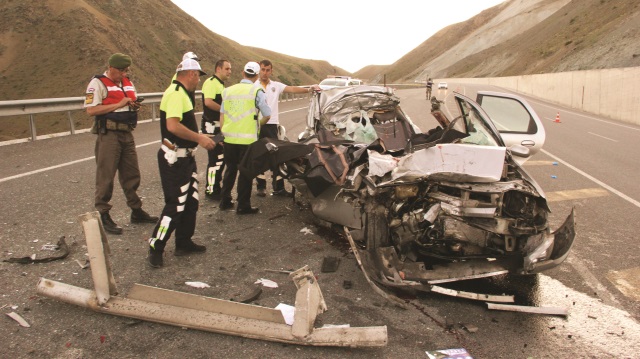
{"x":474,"y":125}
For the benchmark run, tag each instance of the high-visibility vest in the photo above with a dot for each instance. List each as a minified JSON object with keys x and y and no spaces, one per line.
{"x":188,"y":115}
{"x":116,"y":93}
{"x":240,"y":114}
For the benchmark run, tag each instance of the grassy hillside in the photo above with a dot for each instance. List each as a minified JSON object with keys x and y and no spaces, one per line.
{"x":372,"y":73}
{"x":296,"y":71}
{"x":52,"y":48}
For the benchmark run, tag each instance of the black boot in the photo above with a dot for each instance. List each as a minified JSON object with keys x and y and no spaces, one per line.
{"x":109,"y":225}
{"x":155,"y":258}
{"x":139,"y":215}
{"x":226,"y":204}
{"x":188,"y":248}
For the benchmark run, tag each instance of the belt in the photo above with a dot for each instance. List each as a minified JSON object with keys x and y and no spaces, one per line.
{"x":118,"y":126}
{"x":180,"y":152}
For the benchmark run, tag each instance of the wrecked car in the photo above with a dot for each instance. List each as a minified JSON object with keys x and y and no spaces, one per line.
{"x":449,"y":204}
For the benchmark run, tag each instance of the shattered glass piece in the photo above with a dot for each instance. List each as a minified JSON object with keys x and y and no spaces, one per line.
{"x":197,"y":284}
{"x":448,"y":354}
{"x":267,"y":283}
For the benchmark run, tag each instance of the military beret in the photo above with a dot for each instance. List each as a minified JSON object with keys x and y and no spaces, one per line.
{"x":119,"y":61}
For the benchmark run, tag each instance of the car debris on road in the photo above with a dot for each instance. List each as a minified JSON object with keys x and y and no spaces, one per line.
{"x":205,"y":313}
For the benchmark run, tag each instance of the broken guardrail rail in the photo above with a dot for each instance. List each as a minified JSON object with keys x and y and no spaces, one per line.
{"x":206,"y":313}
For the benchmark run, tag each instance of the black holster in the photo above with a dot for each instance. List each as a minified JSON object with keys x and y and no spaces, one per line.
{"x":102,"y":125}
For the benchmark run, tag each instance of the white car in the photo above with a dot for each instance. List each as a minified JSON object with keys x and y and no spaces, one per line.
{"x":448,"y":204}
{"x":338,"y":81}
{"x":330,"y":83}
{"x":442,"y":85}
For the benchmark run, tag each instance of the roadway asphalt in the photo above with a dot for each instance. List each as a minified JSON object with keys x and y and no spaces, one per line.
{"x":587,"y":163}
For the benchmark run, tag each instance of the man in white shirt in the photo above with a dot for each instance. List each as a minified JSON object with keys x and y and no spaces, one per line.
{"x":273,"y":89}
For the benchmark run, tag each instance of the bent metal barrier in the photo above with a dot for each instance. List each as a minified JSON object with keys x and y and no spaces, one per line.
{"x":69,"y":105}
{"x":205,"y":313}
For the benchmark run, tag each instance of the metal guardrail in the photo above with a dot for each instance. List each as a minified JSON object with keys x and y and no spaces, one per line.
{"x":33,"y":107}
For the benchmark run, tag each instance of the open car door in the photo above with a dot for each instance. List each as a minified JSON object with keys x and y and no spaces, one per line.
{"x":515,"y":119}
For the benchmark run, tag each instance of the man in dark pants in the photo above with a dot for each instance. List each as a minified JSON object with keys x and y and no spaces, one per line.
{"x":111,"y":98}
{"x":240,"y":127}
{"x":177,"y":164}
{"x":212,"y":99}
{"x":272,"y":90}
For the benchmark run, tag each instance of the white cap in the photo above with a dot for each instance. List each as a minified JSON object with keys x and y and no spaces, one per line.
{"x":190,"y":64}
{"x":252,"y":68}
{"x":190,"y":55}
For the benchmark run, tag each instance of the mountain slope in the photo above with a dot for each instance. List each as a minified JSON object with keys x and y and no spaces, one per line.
{"x":52,"y":48}
{"x":525,"y":37}
{"x":582,"y":35}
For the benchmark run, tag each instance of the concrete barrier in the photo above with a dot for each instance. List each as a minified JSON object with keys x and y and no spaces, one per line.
{"x":612,"y":93}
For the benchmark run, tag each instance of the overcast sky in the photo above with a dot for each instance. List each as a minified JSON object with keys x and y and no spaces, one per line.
{"x":350,"y":34}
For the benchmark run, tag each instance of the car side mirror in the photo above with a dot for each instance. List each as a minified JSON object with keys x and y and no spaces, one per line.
{"x":520,"y":151}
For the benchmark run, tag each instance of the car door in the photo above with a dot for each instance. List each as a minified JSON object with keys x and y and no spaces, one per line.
{"x":515,"y":119}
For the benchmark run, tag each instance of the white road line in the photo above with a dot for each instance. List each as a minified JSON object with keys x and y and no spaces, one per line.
{"x":295,"y":109}
{"x":93,"y":157}
{"x":63,"y":165}
{"x":606,"y":138}
{"x":597,"y":181}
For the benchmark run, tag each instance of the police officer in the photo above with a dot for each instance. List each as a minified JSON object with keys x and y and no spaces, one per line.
{"x":177,"y":165}
{"x":111,"y":98}
{"x":240,"y":127}
{"x":212,"y":99}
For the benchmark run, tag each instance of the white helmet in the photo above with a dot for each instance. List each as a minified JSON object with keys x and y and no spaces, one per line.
{"x":190,"y":55}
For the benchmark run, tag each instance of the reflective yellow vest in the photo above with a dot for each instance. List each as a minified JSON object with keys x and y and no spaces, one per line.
{"x":240,"y":121}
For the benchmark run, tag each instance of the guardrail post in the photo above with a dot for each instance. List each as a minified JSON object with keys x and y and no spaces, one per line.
{"x":32,"y":127}
{"x":71,"y":125}
{"x":153,"y":112}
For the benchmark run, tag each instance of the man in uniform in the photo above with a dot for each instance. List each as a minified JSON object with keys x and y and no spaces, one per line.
{"x":212,"y":99}
{"x":240,"y":127}
{"x":177,"y":164}
{"x":111,"y":98}
{"x":429,"y":88}
{"x":187,"y":55}
{"x":273,"y":89}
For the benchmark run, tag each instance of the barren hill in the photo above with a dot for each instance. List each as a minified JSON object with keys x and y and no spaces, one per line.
{"x":51,"y":48}
{"x":527,"y":36}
